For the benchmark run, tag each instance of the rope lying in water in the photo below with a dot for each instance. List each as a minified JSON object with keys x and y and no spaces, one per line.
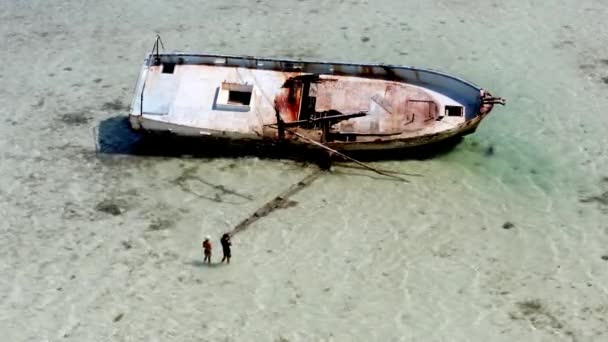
{"x":347,"y":157}
{"x":341,"y":154}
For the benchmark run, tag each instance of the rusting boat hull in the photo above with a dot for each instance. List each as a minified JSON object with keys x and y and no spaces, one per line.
{"x":339,"y":105}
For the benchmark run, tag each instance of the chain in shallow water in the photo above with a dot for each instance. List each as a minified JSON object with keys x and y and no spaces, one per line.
{"x":278,"y":202}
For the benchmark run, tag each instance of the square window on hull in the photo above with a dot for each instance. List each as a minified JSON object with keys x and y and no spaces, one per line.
{"x":453,"y":111}
{"x":239,"y":97}
{"x":168,"y":68}
{"x":233,"y":97}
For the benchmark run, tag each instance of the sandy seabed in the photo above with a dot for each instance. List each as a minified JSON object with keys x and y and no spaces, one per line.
{"x":504,"y":238}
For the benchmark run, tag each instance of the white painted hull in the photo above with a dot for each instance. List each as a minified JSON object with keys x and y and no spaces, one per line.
{"x":343,"y":106}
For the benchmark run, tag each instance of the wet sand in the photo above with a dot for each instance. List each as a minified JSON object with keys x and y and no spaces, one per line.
{"x":504,"y":238}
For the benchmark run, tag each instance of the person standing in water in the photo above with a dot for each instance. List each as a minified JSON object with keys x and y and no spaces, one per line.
{"x":226,"y":243}
{"x":207,"y":249}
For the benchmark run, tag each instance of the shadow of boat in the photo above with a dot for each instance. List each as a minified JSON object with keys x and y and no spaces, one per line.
{"x":115,"y":136}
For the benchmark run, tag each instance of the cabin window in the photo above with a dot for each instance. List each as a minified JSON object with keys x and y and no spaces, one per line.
{"x":453,"y":110}
{"x":168,"y":68}
{"x":234,"y":97}
{"x":239,"y":97}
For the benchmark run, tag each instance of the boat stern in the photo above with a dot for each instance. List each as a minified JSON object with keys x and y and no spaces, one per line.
{"x":136,"y":107}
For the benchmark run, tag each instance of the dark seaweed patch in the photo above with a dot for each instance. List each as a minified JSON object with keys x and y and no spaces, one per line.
{"x":508,"y":225}
{"x":75,"y":118}
{"x":160,"y":224}
{"x":113,"y":106}
{"x":537,"y":314}
{"x":601,"y":199}
{"x":109,"y":207}
{"x":489,"y":151}
{"x":530,"y":307}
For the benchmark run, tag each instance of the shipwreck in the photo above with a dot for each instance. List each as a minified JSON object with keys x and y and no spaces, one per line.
{"x":339,"y":106}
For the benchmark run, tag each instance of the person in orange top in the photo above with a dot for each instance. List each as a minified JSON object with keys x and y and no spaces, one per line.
{"x":207,"y":249}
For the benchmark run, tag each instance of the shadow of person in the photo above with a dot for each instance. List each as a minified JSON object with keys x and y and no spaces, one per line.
{"x":200,"y":263}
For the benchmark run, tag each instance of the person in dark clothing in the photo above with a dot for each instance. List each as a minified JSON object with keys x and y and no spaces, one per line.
{"x":225,"y":241}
